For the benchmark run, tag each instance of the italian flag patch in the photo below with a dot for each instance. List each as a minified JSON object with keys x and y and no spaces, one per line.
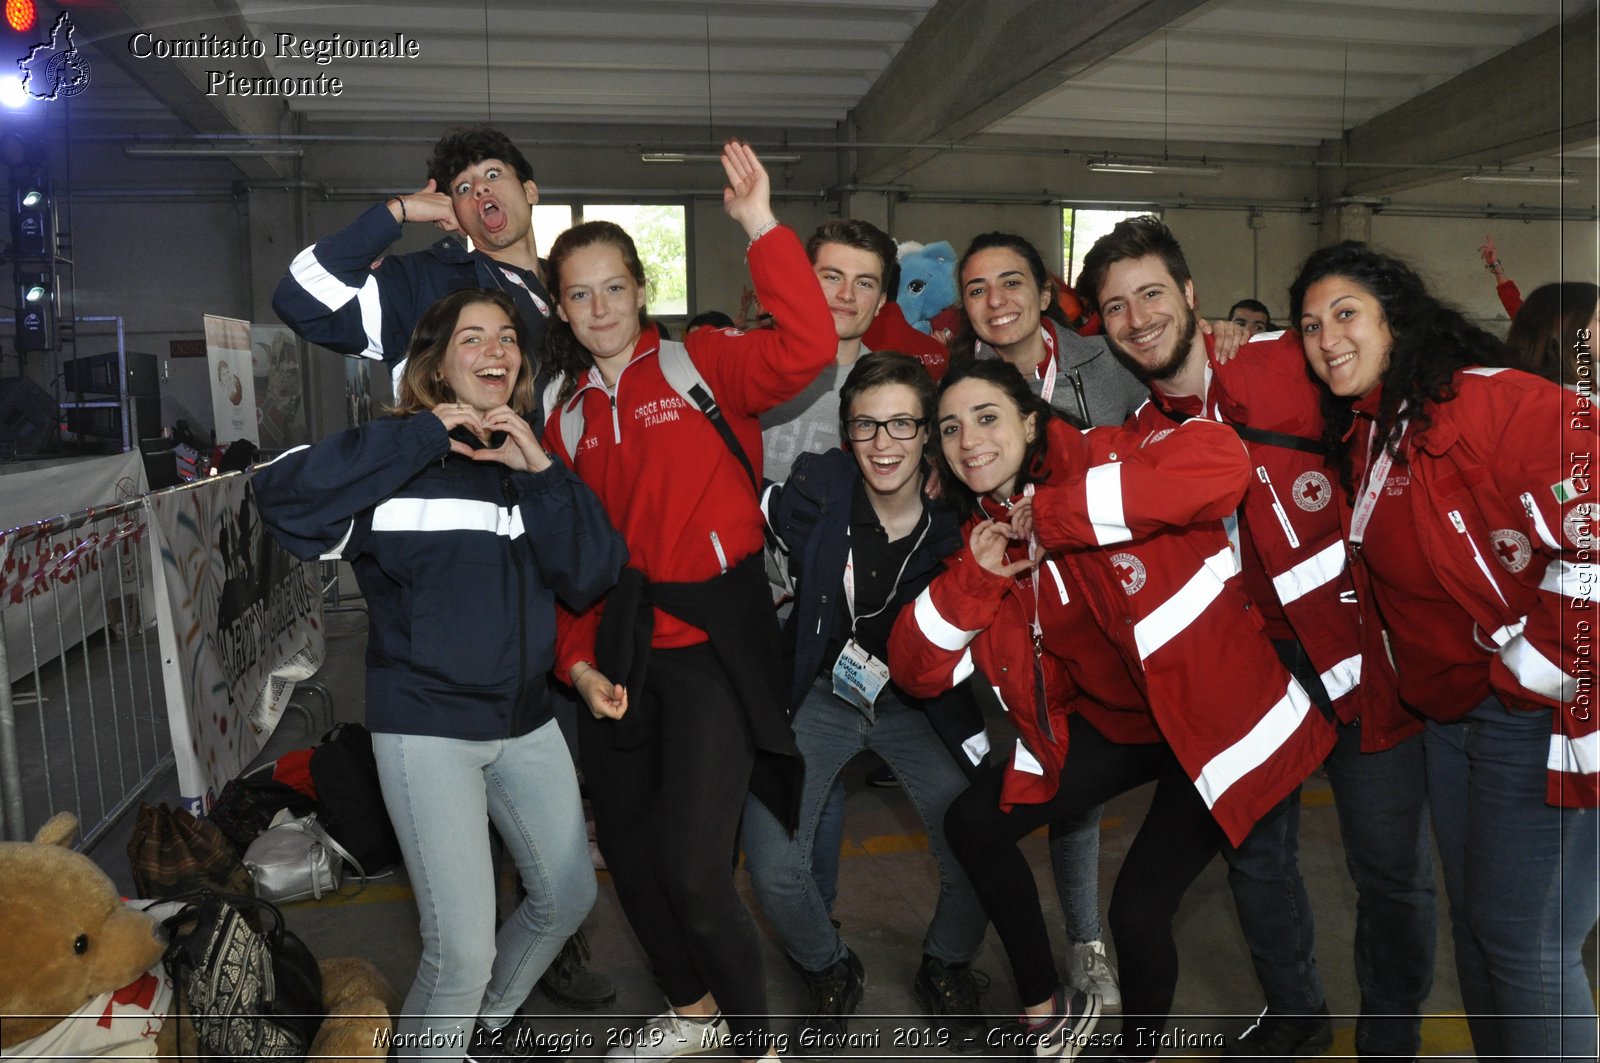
{"x":1565,"y":491}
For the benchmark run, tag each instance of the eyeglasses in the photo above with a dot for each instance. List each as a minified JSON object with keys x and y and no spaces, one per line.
{"x":865,"y":429}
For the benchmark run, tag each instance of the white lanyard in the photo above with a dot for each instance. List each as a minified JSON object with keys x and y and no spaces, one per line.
{"x":512,"y":276}
{"x":1033,"y":555}
{"x":850,"y":576}
{"x":1372,"y":484}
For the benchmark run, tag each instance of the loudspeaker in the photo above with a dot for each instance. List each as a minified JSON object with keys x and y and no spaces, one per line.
{"x":27,"y":414}
{"x":106,"y":421}
{"x":98,"y":373}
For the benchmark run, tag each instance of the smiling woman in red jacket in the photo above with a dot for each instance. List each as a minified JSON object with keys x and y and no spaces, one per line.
{"x":1099,"y":595}
{"x":680,"y":665}
{"x":1470,"y":501}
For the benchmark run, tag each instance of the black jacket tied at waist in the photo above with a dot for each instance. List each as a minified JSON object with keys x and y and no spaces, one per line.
{"x":735,"y":611}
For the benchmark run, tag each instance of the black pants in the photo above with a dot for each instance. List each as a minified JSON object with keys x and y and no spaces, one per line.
{"x":1176,"y":841}
{"x":666,"y":817}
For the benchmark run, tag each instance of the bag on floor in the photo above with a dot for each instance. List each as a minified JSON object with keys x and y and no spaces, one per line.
{"x":245,"y":808}
{"x":350,"y":800}
{"x":171,"y":852}
{"x":295,"y":858}
{"x":252,"y":991}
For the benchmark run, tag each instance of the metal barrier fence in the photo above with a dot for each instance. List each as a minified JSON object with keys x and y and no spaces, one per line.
{"x":83,"y":724}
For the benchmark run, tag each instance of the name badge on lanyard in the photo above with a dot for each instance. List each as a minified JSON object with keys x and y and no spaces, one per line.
{"x":859,"y":677}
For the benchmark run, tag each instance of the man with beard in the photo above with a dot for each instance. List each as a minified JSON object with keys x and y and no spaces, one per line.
{"x":343,"y":294}
{"x":1288,"y":540}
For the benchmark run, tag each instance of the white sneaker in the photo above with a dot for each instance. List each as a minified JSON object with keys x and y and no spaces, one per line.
{"x":1090,"y":971}
{"x":670,"y":1034}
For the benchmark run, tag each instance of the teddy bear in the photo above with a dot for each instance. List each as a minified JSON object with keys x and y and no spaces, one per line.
{"x":927,"y":281}
{"x":69,"y":946}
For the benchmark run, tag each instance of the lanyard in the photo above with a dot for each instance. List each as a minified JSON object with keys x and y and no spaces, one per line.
{"x":850,"y":576}
{"x":1049,"y":386}
{"x":1033,"y":576}
{"x":1372,"y":484}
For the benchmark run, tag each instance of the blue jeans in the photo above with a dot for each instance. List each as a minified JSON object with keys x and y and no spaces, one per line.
{"x":829,"y":732}
{"x":1075,"y":861}
{"x":1521,"y":877}
{"x":1381,"y":799}
{"x":1274,"y":910}
{"x":441,"y":794}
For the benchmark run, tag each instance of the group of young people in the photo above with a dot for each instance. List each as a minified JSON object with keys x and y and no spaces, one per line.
{"x":1196,"y":554}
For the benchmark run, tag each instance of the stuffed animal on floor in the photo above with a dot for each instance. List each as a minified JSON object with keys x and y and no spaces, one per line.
{"x":70,"y":947}
{"x":927,"y":281}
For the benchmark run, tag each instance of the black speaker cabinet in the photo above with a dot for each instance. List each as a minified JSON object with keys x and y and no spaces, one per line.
{"x":106,"y":421}
{"x":97,"y":375}
{"x":27,"y":415}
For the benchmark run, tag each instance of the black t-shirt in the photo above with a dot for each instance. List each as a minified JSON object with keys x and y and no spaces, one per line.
{"x":877,"y":564}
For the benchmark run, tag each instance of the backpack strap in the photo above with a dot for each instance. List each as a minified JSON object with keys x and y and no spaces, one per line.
{"x":1259,"y":435}
{"x":684,"y":378}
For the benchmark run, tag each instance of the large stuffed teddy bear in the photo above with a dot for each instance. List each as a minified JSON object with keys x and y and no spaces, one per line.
{"x":70,"y":947}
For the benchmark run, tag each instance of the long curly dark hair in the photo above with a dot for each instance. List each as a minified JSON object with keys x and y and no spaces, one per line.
{"x":1003,"y":375}
{"x":1431,"y":342}
{"x":1547,"y":335}
{"x":966,"y":337}
{"x":563,"y":353}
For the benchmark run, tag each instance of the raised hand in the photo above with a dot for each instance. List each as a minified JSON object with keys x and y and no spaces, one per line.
{"x":425,"y":204}
{"x":988,"y":543}
{"x":748,"y":195}
{"x":455,"y":414}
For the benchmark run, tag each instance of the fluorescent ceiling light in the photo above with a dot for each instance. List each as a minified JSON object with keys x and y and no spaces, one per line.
{"x":178,"y":151}
{"x":706,"y":156}
{"x":1186,"y":169}
{"x":1523,"y":177}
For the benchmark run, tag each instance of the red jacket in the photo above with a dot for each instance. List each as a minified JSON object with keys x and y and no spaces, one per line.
{"x":1136,"y":529}
{"x":1505,"y":473}
{"x":1295,"y":542}
{"x":681,"y":500}
{"x":890,"y":331}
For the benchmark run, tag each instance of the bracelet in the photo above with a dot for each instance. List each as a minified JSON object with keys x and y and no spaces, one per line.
{"x":402,"y":201}
{"x":587,"y":667}
{"x":764,"y":230}
{"x":1492,"y":267}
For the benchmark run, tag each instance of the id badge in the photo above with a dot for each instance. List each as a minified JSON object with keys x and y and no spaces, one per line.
{"x":858,"y":676}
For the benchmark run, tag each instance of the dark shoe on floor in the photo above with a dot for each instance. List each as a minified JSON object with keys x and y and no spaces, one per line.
{"x":571,"y":984}
{"x":949,"y":994}
{"x":1276,"y":1036}
{"x":1062,"y":1034}
{"x":835,"y":995}
{"x":882,"y":775}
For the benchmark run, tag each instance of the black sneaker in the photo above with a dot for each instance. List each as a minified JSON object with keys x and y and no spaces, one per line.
{"x":1060,"y":1035}
{"x":835,"y":995}
{"x":949,"y":994}
{"x":1277,"y":1036}
{"x":568,"y":982}
{"x":514,"y":1042}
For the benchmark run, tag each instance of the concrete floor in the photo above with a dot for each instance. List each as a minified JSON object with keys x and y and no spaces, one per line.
{"x":887,"y":886}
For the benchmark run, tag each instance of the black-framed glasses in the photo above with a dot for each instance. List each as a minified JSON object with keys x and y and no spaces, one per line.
{"x":865,"y":429}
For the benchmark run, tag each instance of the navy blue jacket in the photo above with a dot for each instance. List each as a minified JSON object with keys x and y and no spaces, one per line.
{"x":333,"y":296}
{"x":461,"y":563}
{"x":810,"y":512}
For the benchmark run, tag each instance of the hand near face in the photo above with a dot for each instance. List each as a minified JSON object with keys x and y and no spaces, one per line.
{"x":427,"y":204}
{"x":988,"y":544}
{"x":520,"y":450}
{"x":606,"y":700}
{"x":1227,"y":338}
{"x":748,"y":195}
{"x":1021,"y":525}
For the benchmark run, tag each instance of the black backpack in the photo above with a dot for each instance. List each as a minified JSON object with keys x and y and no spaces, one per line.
{"x":349,"y":799}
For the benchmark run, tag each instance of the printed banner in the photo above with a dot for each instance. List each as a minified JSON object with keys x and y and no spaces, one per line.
{"x":233,"y":385}
{"x":242,"y":622}
{"x":280,"y":387}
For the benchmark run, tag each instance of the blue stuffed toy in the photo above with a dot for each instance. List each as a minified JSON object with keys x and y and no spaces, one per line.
{"x":927,"y":281}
